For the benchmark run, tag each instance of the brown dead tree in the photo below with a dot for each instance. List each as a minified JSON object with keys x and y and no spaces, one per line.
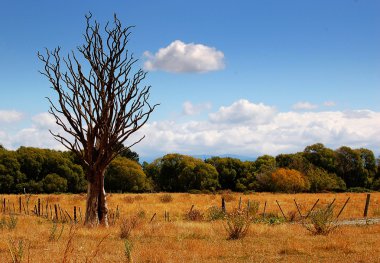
{"x":100,"y":104}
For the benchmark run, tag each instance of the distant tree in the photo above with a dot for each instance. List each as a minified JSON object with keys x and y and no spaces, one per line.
{"x":100,"y":104}
{"x":320,"y":180}
{"x":234,"y":174}
{"x":288,"y":180}
{"x":351,"y":167}
{"x":126,"y":175}
{"x":53,"y":183}
{"x":128,"y":153}
{"x":176,"y":172}
{"x":322,"y":157}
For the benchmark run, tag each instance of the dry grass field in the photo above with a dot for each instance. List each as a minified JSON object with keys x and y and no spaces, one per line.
{"x":177,"y":239}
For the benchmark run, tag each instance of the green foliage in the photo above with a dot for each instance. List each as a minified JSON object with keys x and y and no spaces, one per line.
{"x":320,"y":180}
{"x":181,"y":173}
{"x":351,"y":167}
{"x":131,"y":155}
{"x":234,"y":174}
{"x":125,"y":175}
{"x":53,"y":183}
{"x":322,"y":157}
{"x":215,"y":213}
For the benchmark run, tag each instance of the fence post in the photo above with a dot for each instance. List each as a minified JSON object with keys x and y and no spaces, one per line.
{"x":19,"y":203}
{"x":265,"y":207}
{"x":367,"y":205}
{"x":341,"y":210}
{"x":282,"y":212}
{"x":240,"y":203}
{"x":298,"y":209}
{"x":39,"y":207}
{"x":223,"y":205}
{"x":56,"y":212}
{"x":75,"y":214}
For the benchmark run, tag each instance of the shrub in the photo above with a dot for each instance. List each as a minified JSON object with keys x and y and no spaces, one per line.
{"x":320,"y":221}
{"x":127,"y":225}
{"x":215,"y":213}
{"x":237,"y":225}
{"x":194,"y":215}
{"x":166,"y":198}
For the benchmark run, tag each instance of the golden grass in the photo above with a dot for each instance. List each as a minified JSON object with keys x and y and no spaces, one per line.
{"x":181,"y":240}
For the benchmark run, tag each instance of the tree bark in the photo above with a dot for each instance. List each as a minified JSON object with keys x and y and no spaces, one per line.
{"x":96,"y":206}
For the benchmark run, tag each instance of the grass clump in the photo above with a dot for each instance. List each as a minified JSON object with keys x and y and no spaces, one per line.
{"x":16,"y":249}
{"x":9,"y":222}
{"x":127,"y":225}
{"x":166,"y":198}
{"x":55,"y":234}
{"x":194,"y":215}
{"x":320,"y":221}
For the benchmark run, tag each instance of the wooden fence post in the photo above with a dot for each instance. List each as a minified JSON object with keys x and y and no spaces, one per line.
{"x":75,"y":214}
{"x":281,"y":210}
{"x":298,"y":209}
{"x":341,"y":210}
{"x":265,"y":207}
{"x":39,"y":207}
{"x":367,"y":205}
{"x":223,"y":205}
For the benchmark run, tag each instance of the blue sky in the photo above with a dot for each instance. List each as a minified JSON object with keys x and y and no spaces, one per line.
{"x":255,"y":77}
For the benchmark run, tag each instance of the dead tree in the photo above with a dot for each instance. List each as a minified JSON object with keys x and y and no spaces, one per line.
{"x":100,"y":104}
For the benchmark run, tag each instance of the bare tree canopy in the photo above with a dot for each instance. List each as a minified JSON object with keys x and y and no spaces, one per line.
{"x":100,"y":104}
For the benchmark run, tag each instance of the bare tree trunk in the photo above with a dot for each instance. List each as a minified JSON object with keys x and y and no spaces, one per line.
{"x":96,"y":205}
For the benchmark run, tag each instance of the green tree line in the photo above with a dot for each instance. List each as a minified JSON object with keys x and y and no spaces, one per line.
{"x":316,"y":169}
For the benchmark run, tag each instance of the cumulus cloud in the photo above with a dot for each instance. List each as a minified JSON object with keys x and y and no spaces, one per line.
{"x":238,"y":129}
{"x":243,"y":111}
{"x":189,"y":108}
{"x":10,"y":116}
{"x":243,"y":128}
{"x":304,"y":105}
{"x":181,"y":57}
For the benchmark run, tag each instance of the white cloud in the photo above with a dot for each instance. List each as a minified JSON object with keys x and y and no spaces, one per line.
{"x":304,"y":105}
{"x":181,"y":57}
{"x":243,"y":111}
{"x":238,"y":129}
{"x":243,"y":128}
{"x":10,"y":116}
{"x":189,"y":108}
{"x":44,"y":120}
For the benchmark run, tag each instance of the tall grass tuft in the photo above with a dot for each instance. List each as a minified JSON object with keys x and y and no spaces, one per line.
{"x":127,"y":225}
{"x":320,"y":221}
{"x":16,"y":249}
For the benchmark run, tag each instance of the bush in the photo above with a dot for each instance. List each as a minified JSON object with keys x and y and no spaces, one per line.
{"x":215,"y":213}
{"x":237,"y":225}
{"x":320,"y":221}
{"x":194,"y":215}
{"x":166,"y":198}
{"x":127,"y":225}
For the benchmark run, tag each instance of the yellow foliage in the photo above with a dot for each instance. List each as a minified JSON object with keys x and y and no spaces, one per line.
{"x":289,"y":180}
